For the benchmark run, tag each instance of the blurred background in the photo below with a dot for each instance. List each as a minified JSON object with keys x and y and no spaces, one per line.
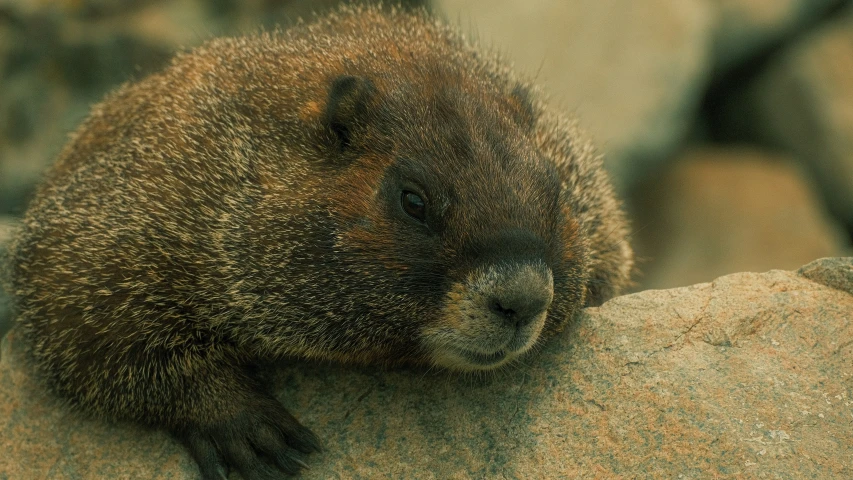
{"x":727,"y":125}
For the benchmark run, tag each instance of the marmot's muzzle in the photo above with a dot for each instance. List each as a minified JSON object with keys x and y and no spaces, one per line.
{"x":494,"y":316}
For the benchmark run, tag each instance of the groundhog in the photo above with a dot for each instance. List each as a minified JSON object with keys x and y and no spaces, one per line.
{"x":367,"y":188}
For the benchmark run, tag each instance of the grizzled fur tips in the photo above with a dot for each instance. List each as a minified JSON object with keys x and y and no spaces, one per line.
{"x":366,"y":188}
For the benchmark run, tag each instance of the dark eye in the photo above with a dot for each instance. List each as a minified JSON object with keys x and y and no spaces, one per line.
{"x":414,"y":205}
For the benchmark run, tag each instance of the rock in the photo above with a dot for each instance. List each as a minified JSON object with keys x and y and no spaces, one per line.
{"x":744,"y":377}
{"x":634,"y":72}
{"x":834,"y":273}
{"x":749,"y":28}
{"x":802,"y":103}
{"x":724,"y":210}
{"x":59,"y":58}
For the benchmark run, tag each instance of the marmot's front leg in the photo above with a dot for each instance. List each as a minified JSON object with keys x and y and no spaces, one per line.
{"x":220,"y":411}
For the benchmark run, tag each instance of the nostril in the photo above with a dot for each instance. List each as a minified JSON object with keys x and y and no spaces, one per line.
{"x":516,"y":296}
{"x":496,"y":307}
{"x":517,"y":309}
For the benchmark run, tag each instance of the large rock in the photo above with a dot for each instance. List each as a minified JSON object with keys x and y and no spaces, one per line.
{"x":744,"y":377}
{"x":58,"y":58}
{"x":748,"y":28}
{"x":802,"y":102}
{"x":724,"y":210}
{"x":634,"y":72}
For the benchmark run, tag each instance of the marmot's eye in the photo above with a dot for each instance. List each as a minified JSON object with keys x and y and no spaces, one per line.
{"x":414,"y":205}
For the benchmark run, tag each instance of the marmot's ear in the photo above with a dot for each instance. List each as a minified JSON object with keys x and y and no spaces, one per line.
{"x":522,"y":105}
{"x":346,"y":107}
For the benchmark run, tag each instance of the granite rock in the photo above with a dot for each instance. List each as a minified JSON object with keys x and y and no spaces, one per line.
{"x":801,"y":102}
{"x":744,"y":377}
{"x":59,"y":58}
{"x":721,"y":210}
{"x":749,"y":28}
{"x":826,"y":271}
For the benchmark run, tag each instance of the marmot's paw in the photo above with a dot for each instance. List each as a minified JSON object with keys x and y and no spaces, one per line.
{"x":260,"y":444}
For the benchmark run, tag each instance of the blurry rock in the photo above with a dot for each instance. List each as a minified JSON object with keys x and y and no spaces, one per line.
{"x":720,"y":211}
{"x":749,"y":27}
{"x":745,"y":377}
{"x":58,"y":58}
{"x":634,"y":72}
{"x":802,"y":102}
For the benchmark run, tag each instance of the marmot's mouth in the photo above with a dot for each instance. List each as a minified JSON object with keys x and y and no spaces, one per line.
{"x":483,"y":359}
{"x":462,"y":358}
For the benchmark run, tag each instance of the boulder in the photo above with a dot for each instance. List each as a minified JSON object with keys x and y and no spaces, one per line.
{"x":59,"y":58}
{"x":749,"y":28}
{"x":721,"y":210}
{"x":747,"y":376}
{"x":801,"y":102}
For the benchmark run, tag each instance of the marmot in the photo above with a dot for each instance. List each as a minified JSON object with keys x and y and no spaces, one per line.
{"x":369,"y":188}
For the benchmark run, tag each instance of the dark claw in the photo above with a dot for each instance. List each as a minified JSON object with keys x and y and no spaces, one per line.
{"x":295,"y":434}
{"x":271,"y":443}
{"x":204,"y":453}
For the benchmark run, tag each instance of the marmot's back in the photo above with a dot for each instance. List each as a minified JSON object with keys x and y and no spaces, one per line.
{"x":368,"y":188}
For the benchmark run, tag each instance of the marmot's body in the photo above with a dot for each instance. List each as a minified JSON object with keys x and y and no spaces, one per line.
{"x":368,"y":188}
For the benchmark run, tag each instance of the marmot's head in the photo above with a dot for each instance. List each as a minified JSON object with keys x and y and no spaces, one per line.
{"x":432,"y":229}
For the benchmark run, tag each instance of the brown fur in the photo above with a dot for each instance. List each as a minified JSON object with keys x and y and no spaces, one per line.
{"x":244,"y":205}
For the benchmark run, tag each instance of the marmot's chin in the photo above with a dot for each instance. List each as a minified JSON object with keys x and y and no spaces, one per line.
{"x":473,"y":357}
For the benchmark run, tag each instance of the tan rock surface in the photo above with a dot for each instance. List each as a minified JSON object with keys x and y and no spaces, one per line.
{"x":724,"y":210}
{"x":745,"y":377}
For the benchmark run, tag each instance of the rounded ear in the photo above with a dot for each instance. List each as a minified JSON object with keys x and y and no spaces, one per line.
{"x":346,"y":107}
{"x":522,"y":104}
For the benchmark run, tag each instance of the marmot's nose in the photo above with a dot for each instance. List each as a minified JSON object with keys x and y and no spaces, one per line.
{"x":522,"y":295}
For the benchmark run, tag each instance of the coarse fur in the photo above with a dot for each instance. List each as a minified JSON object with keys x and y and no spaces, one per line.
{"x":367,"y":188}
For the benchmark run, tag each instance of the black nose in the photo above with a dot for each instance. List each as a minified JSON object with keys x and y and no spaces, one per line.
{"x":521,"y":294}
